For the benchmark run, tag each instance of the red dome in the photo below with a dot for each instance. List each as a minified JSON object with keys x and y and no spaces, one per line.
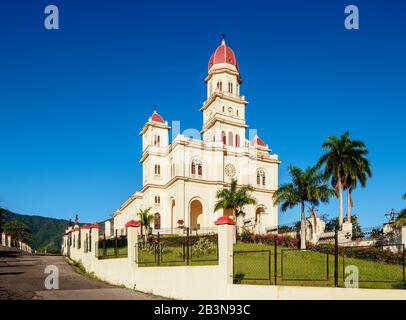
{"x":223,"y":54}
{"x":157,"y":118}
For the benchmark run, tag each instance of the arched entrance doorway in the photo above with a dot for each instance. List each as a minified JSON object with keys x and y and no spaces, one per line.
{"x":258,"y":215}
{"x":196,"y":215}
{"x":157,"y":221}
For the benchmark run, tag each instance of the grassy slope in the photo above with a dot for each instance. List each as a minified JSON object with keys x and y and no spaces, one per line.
{"x":310,"y":267}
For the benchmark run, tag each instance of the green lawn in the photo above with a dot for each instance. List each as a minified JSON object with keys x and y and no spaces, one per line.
{"x":175,"y":255}
{"x":308,"y":268}
{"x":110,"y":254}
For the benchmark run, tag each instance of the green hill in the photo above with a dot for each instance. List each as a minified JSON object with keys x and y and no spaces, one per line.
{"x":46,"y":232}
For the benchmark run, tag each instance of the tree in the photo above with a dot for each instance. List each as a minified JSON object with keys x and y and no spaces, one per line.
{"x":307,"y":186}
{"x":345,"y":164}
{"x":235,"y":199}
{"x":3,"y":214}
{"x":359,"y":170}
{"x":18,"y":231}
{"x":401,"y":219}
{"x":145,"y":220}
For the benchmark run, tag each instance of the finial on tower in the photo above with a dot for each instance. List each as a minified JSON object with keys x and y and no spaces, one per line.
{"x":223,"y":40}
{"x":76,"y":219}
{"x":154,"y":108}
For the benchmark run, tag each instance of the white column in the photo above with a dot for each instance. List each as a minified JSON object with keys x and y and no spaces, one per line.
{"x":107,"y":228}
{"x":95,"y":237}
{"x":9,"y":241}
{"x":226,"y":234}
{"x":133,"y":230}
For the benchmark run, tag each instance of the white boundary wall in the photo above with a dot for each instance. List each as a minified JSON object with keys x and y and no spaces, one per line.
{"x":205,"y":282}
{"x":5,"y":241}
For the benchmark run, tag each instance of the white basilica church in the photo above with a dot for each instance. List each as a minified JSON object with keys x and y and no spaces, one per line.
{"x":181,"y":177}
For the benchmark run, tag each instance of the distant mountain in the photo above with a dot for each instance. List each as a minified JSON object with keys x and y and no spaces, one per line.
{"x":46,"y":232}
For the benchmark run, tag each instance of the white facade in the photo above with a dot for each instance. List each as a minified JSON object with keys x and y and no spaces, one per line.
{"x":181,"y":177}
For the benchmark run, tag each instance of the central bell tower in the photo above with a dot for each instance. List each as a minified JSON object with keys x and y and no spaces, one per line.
{"x":224,"y":109}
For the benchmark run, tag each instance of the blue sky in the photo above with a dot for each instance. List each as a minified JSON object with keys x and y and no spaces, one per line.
{"x":73,"y":101}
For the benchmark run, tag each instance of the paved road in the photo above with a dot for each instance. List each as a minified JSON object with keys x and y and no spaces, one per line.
{"x":22,"y":277}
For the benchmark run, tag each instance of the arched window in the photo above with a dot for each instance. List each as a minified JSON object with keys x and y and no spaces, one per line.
{"x":237,"y":113}
{"x":157,"y":170}
{"x":220,"y":85}
{"x":193,"y":169}
{"x":157,"y":140}
{"x":237,"y":140}
{"x":230,"y":87}
{"x":196,"y":167}
{"x":157,"y":221}
{"x":173,"y":170}
{"x":223,"y":137}
{"x":199,"y":169}
{"x":261,"y":177}
{"x":230,"y":138}
{"x":223,"y":108}
{"x":157,"y":201}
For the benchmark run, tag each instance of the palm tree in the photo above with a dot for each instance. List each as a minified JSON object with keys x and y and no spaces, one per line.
{"x":344,"y":164}
{"x":307,"y":186}
{"x":145,"y":220}
{"x":234,"y":198}
{"x":359,"y":171}
{"x":401,"y":219}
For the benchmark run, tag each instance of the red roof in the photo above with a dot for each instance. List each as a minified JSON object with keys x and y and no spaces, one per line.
{"x":157,"y":118}
{"x":132,"y":223}
{"x":224,"y":220}
{"x":223,"y":54}
{"x":86,"y":226}
{"x":94,"y":225}
{"x":258,"y":141}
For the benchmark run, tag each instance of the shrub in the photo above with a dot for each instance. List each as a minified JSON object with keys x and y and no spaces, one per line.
{"x":375,"y":254}
{"x":202,"y":247}
{"x":239,"y":277}
{"x":269,"y":239}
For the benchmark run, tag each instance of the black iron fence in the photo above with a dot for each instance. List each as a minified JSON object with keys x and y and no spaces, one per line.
{"x":298,"y":265}
{"x":116,"y":247}
{"x":322,"y":265}
{"x":184,"y":249}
